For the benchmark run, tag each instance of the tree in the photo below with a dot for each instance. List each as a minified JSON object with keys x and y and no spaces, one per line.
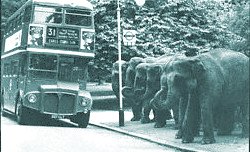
{"x":163,"y":26}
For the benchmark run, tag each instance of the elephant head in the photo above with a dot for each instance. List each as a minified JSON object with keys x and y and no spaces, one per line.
{"x":178,"y":81}
{"x":152,"y":81}
{"x":140,"y":79}
{"x":115,"y":76}
{"x":128,"y":90}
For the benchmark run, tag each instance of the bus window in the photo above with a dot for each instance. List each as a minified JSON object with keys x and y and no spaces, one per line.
{"x":7,"y":70}
{"x":23,"y":65}
{"x":14,"y":68}
{"x":43,"y":62}
{"x":42,"y":66}
{"x":27,"y":14}
{"x":78,"y":17}
{"x":47,"y":15}
{"x":72,"y":69}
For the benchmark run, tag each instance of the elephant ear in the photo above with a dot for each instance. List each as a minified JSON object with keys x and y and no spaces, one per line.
{"x":197,"y":68}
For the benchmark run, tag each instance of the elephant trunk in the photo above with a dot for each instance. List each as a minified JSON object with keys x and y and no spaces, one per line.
{"x":139,"y":87}
{"x":139,"y":93}
{"x":171,"y":100}
{"x":128,"y":92}
{"x":157,"y":102}
{"x":151,"y":89}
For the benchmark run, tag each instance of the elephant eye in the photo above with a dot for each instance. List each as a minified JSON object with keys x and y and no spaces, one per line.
{"x":178,"y":79}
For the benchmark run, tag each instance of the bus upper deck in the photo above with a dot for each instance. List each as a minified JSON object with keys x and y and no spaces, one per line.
{"x":60,"y":27}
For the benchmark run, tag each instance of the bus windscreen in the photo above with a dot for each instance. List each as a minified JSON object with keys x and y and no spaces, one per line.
{"x":48,"y":15}
{"x":78,"y":17}
{"x":43,"y":66}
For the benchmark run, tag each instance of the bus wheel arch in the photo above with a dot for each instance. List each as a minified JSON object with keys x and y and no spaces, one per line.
{"x":82,"y":119}
{"x":2,"y":103}
{"x":20,"y":110}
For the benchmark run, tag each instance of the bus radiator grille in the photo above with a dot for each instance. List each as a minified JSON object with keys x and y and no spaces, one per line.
{"x":59,"y":104}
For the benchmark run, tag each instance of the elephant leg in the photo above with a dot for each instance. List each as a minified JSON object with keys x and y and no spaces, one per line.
{"x":196,"y":114}
{"x":188,"y":122}
{"x":145,"y":112}
{"x":245,"y":115}
{"x":136,"y":109}
{"x":175,"y":110}
{"x":181,"y":112}
{"x":226,"y":122}
{"x":207,"y":122}
{"x":145,"y":115}
{"x":160,"y":118}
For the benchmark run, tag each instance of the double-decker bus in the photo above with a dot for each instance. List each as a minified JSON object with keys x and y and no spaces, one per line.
{"x":44,"y":60}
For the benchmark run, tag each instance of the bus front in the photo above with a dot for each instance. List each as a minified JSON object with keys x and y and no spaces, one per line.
{"x":60,"y":44}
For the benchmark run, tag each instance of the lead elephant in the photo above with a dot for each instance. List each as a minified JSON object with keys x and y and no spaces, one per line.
{"x":129,"y":85}
{"x":147,"y":83}
{"x":213,"y":84}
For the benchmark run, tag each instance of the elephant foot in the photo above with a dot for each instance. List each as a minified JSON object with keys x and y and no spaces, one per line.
{"x":159,"y":125}
{"x":153,"y":120}
{"x":187,"y":140}
{"x":196,"y":133}
{"x":244,"y":135}
{"x":135,"y":119}
{"x":207,"y":141}
{"x":178,"y":135}
{"x":169,"y":116}
{"x":176,"y":127}
{"x":145,"y":120}
{"x":223,"y":133}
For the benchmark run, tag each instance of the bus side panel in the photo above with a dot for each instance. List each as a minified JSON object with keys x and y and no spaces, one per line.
{"x":6,"y":84}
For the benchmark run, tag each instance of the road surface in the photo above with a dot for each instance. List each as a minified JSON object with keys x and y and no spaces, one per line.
{"x":58,"y":136}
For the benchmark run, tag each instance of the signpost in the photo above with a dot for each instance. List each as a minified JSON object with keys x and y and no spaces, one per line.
{"x":129,"y":37}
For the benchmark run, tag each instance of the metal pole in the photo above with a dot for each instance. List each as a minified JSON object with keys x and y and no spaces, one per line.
{"x":121,"y":111}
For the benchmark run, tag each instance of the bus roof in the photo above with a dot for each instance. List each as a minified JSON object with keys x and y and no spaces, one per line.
{"x":73,"y":3}
{"x":64,"y":3}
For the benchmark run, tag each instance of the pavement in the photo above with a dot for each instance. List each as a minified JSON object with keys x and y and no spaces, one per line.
{"x":105,"y":114}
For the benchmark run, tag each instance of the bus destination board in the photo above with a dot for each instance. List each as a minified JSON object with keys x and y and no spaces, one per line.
{"x":64,"y":36}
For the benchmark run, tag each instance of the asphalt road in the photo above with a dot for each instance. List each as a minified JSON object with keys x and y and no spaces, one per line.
{"x":56,"y":136}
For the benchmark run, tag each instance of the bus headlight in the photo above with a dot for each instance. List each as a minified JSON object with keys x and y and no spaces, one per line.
{"x":32,"y":98}
{"x":84,"y":101}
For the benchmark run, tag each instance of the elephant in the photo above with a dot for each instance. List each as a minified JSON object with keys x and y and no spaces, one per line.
{"x":129,"y":85}
{"x":115,"y":76}
{"x":208,"y":88}
{"x":147,"y":83}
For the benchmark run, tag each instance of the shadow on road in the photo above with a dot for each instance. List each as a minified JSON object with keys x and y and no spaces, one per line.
{"x":41,"y":120}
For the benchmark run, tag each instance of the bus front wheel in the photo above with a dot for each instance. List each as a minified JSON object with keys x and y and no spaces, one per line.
{"x":83,"y":119}
{"x":2,"y":108}
{"x":21,"y":113}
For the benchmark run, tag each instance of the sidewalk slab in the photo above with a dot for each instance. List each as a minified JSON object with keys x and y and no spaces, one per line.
{"x":165,"y":136}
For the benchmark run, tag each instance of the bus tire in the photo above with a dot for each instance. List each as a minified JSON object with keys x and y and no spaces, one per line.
{"x":2,"y":107}
{"x":21,"y":113}
{"x":83,"y":119}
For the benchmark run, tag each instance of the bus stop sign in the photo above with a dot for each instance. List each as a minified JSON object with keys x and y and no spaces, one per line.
{"x":129,"y":37}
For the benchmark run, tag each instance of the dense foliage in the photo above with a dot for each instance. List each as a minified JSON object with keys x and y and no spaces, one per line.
{"x":163,"y":26}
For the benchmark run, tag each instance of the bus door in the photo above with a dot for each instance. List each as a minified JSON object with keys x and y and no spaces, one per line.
{"x":65,"y":68}
{"x":12,"y":88}
{"x":6,"y":84}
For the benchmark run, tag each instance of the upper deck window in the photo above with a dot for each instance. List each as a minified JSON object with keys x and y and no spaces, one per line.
{"x":47,"y":15}
{"x":78,"y":17}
